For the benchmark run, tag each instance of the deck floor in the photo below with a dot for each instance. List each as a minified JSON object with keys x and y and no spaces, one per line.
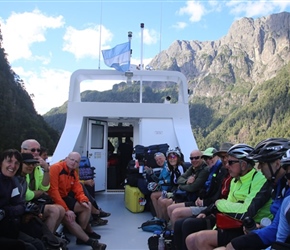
{"x":121,"y":232}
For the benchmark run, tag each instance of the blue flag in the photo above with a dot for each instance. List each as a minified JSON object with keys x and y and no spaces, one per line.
{"x":118,"y":57}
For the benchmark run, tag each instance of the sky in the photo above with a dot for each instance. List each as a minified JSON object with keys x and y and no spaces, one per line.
{"x":46,"y":41}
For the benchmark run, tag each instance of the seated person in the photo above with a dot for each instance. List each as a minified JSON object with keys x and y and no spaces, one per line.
{"x":208,"y":194}
{"x":52,"y":214}
{"x":268,"y":153}
{"x":249,"y":196}
{"x":36,"y":171}
{"x":176,"y":169}
{"x":12,"y":205}
{"x":65,"y":179}
{"x":163,"y":181}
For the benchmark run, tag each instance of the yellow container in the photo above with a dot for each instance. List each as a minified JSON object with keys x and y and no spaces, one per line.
{"x":134,"y":199}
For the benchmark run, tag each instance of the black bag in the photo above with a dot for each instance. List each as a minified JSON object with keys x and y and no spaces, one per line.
{"x":150,"y":152}
{"x":146,"y":154}
{"x":36,"y":228}
{"x":133,"y":174}
{"x":153,"y":241}
{"x":280,"y":246}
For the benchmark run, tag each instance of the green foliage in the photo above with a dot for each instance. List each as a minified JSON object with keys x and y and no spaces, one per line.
{"x":19,"y":120}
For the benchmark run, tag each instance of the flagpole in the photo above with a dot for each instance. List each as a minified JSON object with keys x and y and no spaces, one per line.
{"x":129,"y":39}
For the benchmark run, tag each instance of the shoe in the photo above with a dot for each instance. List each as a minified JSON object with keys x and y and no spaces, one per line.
{"x":93,"y":243}
{"x":97,"y":245}
{"x":99,"y":222}
{"x":93,"y":235}
{"x":103,"y":214}
{"x":63,"y":237}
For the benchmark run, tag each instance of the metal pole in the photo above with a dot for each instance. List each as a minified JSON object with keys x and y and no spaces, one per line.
{"x":130,"y":38}
{"x":142,"y":29}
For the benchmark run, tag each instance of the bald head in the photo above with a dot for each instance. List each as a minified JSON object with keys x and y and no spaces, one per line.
{"x":73,"y":160}
{"x":195,"y":158}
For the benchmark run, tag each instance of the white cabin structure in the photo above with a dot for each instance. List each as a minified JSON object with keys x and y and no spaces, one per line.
{"x":88,"y":128}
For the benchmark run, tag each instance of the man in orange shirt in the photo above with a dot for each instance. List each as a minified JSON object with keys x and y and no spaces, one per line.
{"x":63,"y":179}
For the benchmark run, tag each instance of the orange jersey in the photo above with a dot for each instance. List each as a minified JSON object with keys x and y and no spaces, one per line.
{"x":62,"y":181}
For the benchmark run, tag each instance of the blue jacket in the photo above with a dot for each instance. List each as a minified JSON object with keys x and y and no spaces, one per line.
{"x":268,"y":234}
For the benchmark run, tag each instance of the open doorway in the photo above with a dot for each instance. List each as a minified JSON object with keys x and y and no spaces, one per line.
{"x":120,"y":148}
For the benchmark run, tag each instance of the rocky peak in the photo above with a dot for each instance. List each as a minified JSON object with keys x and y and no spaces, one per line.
{"x":252,"y":51}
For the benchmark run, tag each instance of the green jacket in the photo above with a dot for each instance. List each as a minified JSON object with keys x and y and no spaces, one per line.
{"x":201,"y":175}
{"x":38,"y":176}
{"x":248,"y":196}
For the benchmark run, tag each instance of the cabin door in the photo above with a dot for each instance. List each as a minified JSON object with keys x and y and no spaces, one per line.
{"x":97,"y":151}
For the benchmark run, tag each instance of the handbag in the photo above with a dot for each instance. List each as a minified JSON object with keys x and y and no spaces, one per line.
{"x":224,"y":221}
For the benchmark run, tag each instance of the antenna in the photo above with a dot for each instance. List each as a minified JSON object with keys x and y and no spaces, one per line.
{"x":100,"y":41}
{"x":158,"y":64}
{"x":142,"y":29}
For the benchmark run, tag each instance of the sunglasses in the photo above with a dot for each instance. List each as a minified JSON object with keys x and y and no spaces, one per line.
{"x":207,"y":158}
{"x":194,"y":157}
{"x":172,"y":156}
{"x":232,"y":162}
{"x":32,"y":149}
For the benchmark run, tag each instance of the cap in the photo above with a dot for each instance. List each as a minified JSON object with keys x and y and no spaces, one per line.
{"x":224,"y":148}
{"x":28,"y":158}
{"x":209,"y":152}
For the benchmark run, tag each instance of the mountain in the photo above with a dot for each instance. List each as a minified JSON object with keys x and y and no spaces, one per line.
{"x":239,"y":84}
{"x":19,"y":120}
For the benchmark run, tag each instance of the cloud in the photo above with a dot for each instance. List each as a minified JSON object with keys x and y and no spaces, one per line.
{"x":150,"y":36}
{"x":85,"y":43}
{"x":21,"y":30}
{"x":49,"y":87}
{"x":179,"y":25}
{"x":256,"y":8}
{"x":194,"y":9}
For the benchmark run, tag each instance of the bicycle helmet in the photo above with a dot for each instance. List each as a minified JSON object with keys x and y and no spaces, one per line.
{"x":270,"y":150}
{"x":285,"y":161}
{"x":152,"y":186}
{"x":240,"y":151}
{"x":173,"y":151}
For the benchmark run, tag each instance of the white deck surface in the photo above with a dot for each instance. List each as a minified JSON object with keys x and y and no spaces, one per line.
{"x":121,"y":232}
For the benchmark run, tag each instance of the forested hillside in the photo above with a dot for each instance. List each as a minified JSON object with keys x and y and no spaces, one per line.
{"x":18,"y":118}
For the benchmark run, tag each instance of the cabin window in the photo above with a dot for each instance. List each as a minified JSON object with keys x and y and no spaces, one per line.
{"x":97,"y":138}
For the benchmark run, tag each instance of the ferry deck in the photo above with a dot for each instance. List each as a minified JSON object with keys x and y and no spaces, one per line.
{"x":121,"y":232}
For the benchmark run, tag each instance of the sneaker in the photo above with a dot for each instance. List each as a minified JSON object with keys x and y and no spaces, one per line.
{"x":103,"y":214}
{"x":99,"y":222}
{"x":98,"y":246}
{"x":93,"y":235}
{"x":63,"y":237}
{"x":93,"y":243}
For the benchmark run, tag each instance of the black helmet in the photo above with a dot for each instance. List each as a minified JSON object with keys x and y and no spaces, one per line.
{"x":270,"y":150}
{"x":285,"y":161}
{"x":240,"y":151}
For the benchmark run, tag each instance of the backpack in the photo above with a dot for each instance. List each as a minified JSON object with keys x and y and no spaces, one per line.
{"x":153,"y":225}
{"x":146,"y":154}
{"x":86,"y":172}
